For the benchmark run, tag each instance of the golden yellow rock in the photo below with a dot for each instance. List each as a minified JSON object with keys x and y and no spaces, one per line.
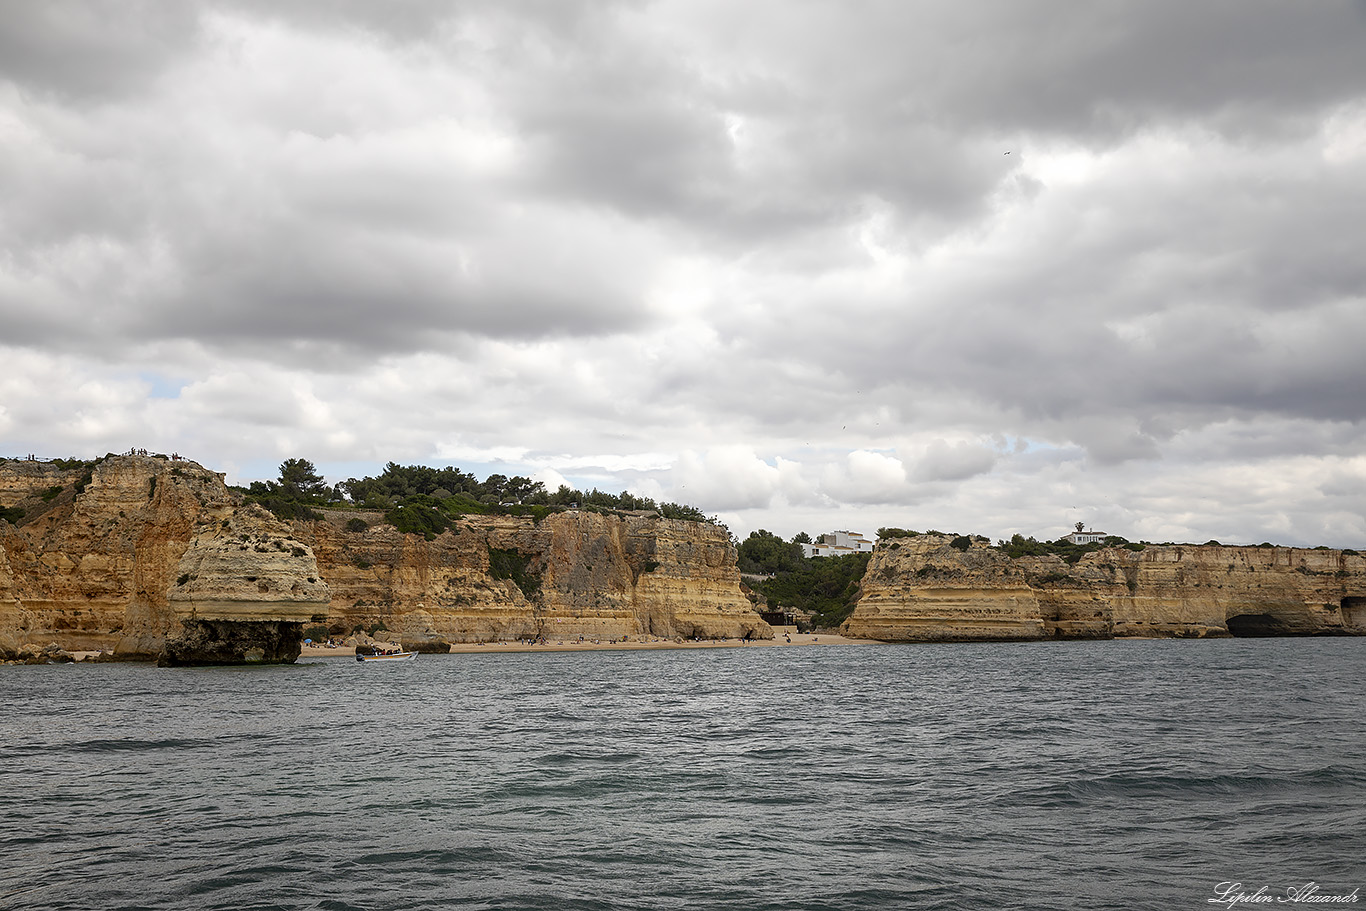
{"x":135,"y":552}
{"x":573,"y":574}
{"x":248,"y":567}
{"x":924,"y":589}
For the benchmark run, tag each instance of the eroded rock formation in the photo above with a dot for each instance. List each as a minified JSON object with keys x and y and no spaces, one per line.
{"x":573,"y":574}
{"x":134,"y":552}
{"x":924,"y":589}
{"x":148,"y":557}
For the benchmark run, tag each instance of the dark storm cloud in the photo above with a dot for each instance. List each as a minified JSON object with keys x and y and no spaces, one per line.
{"x":285,"y":219}
{"x":91,"y":51}
{"x":915,"y":105}
{"x":773,"y":252}
{"x":422,"y":21}
{"x":374,"y":289}
{"x":1192,"y":296}
{"x":902,"y":105}
{"x":1112,"y":66}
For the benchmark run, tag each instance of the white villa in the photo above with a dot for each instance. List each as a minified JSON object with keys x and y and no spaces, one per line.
{"x":837,"y":544}
{"x":1089,"y":536}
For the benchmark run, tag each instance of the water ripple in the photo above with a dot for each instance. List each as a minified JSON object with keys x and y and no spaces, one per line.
{"x":1095,"y":775}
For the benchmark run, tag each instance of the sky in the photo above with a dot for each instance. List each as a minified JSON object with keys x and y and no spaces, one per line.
{"x":988,"y":268}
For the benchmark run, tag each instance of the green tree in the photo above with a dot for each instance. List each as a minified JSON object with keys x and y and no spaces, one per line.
{"x":300,"y":480}
{"x":682,"y":511}
{"x":765,"y":552}
{"x":424,"y":500}
{"x":300,"y":487}
{"x":828,"y":587}
{"x":522,"y":489}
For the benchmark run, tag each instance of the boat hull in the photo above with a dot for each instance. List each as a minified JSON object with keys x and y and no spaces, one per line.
{"x":400,"y":656}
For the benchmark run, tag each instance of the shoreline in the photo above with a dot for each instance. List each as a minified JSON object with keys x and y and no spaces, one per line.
{"x":573,"y":645}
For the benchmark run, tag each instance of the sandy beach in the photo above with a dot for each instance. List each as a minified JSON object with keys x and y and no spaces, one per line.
{"x":780,"y":640}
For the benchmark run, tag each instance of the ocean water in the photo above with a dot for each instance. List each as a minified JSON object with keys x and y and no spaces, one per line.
{"x":1087,"y":775}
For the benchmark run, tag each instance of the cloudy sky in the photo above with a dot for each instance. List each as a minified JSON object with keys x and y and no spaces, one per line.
{"x":992,"y":267}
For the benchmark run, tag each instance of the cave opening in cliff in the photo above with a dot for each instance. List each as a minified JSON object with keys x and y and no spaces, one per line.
{"x":1354,"y":612}
{"x":1252,"y":626}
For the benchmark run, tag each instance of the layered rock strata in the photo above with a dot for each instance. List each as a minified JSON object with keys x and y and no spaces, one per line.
{"x":573,"y":574}
{"x":119,"y":555}
{"x":923,"y":588}
{"x":148,"y":557}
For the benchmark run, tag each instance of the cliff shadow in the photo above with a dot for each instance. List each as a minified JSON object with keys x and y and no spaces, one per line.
{"x":1255,"y":626}
{"x":1354,"y":614}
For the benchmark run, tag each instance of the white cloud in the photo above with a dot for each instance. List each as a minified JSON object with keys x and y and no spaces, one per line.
{"x":771,"y":261}
{"x":725,"y":478}
{"x":866,"y":477}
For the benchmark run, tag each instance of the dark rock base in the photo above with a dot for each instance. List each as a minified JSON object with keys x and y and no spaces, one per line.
{"x":428,"y":647}
{"x":224,"y":642}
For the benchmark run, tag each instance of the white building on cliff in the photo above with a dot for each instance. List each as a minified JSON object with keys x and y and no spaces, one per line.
{"x":837,"y":544}
{"x":1086,"y":536}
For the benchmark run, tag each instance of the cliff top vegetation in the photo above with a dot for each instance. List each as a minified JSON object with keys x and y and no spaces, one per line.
{"x":825,"y":587}
{"x":1017,"y":546}
{"x":1021,"y":546}
{"x":419,"y":499}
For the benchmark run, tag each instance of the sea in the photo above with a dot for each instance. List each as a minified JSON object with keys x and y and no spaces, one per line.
{"x":1080,"y":775}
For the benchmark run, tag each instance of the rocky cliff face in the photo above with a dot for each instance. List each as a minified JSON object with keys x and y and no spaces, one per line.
{"x":498,"y":577}
{"x":130,"y":553}
{"x":924,"y":589}
{"x":145,"y":557}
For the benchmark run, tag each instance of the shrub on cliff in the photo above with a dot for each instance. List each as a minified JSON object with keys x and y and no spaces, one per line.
{"x":400,"y":482}
{"x":683,"y":511}
{"x":765,"y":552}
{"x":284,"y":507}
{"x":1020,"y":546}
{"x":828,"y":588}
{"x":419,"y":516}
{"x":509,"y":564}
{"x":460,"y":492}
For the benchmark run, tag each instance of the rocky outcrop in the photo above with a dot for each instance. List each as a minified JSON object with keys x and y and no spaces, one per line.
{"x":572,"y":574}
{"x":33,"y":654}
{"x":148,"y":557}
{"x":244,"y":590}
{"x":208,"y":642}
{"x":113,"y":555}
{"x":923,"y":588}
{"x":248,"y":566}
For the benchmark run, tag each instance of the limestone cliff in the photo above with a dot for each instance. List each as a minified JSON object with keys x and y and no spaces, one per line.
{"x":119,"y":555}
{"x":248,"y":567}
{"x":501,"y":577}
{"x":924,"y":589}
{"x":146,"y":556}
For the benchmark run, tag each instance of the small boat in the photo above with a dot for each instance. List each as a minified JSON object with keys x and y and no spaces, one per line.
{"x":392,"y":656}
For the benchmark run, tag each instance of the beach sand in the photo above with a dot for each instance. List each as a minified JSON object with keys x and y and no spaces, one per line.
{"x":780,"y":640}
